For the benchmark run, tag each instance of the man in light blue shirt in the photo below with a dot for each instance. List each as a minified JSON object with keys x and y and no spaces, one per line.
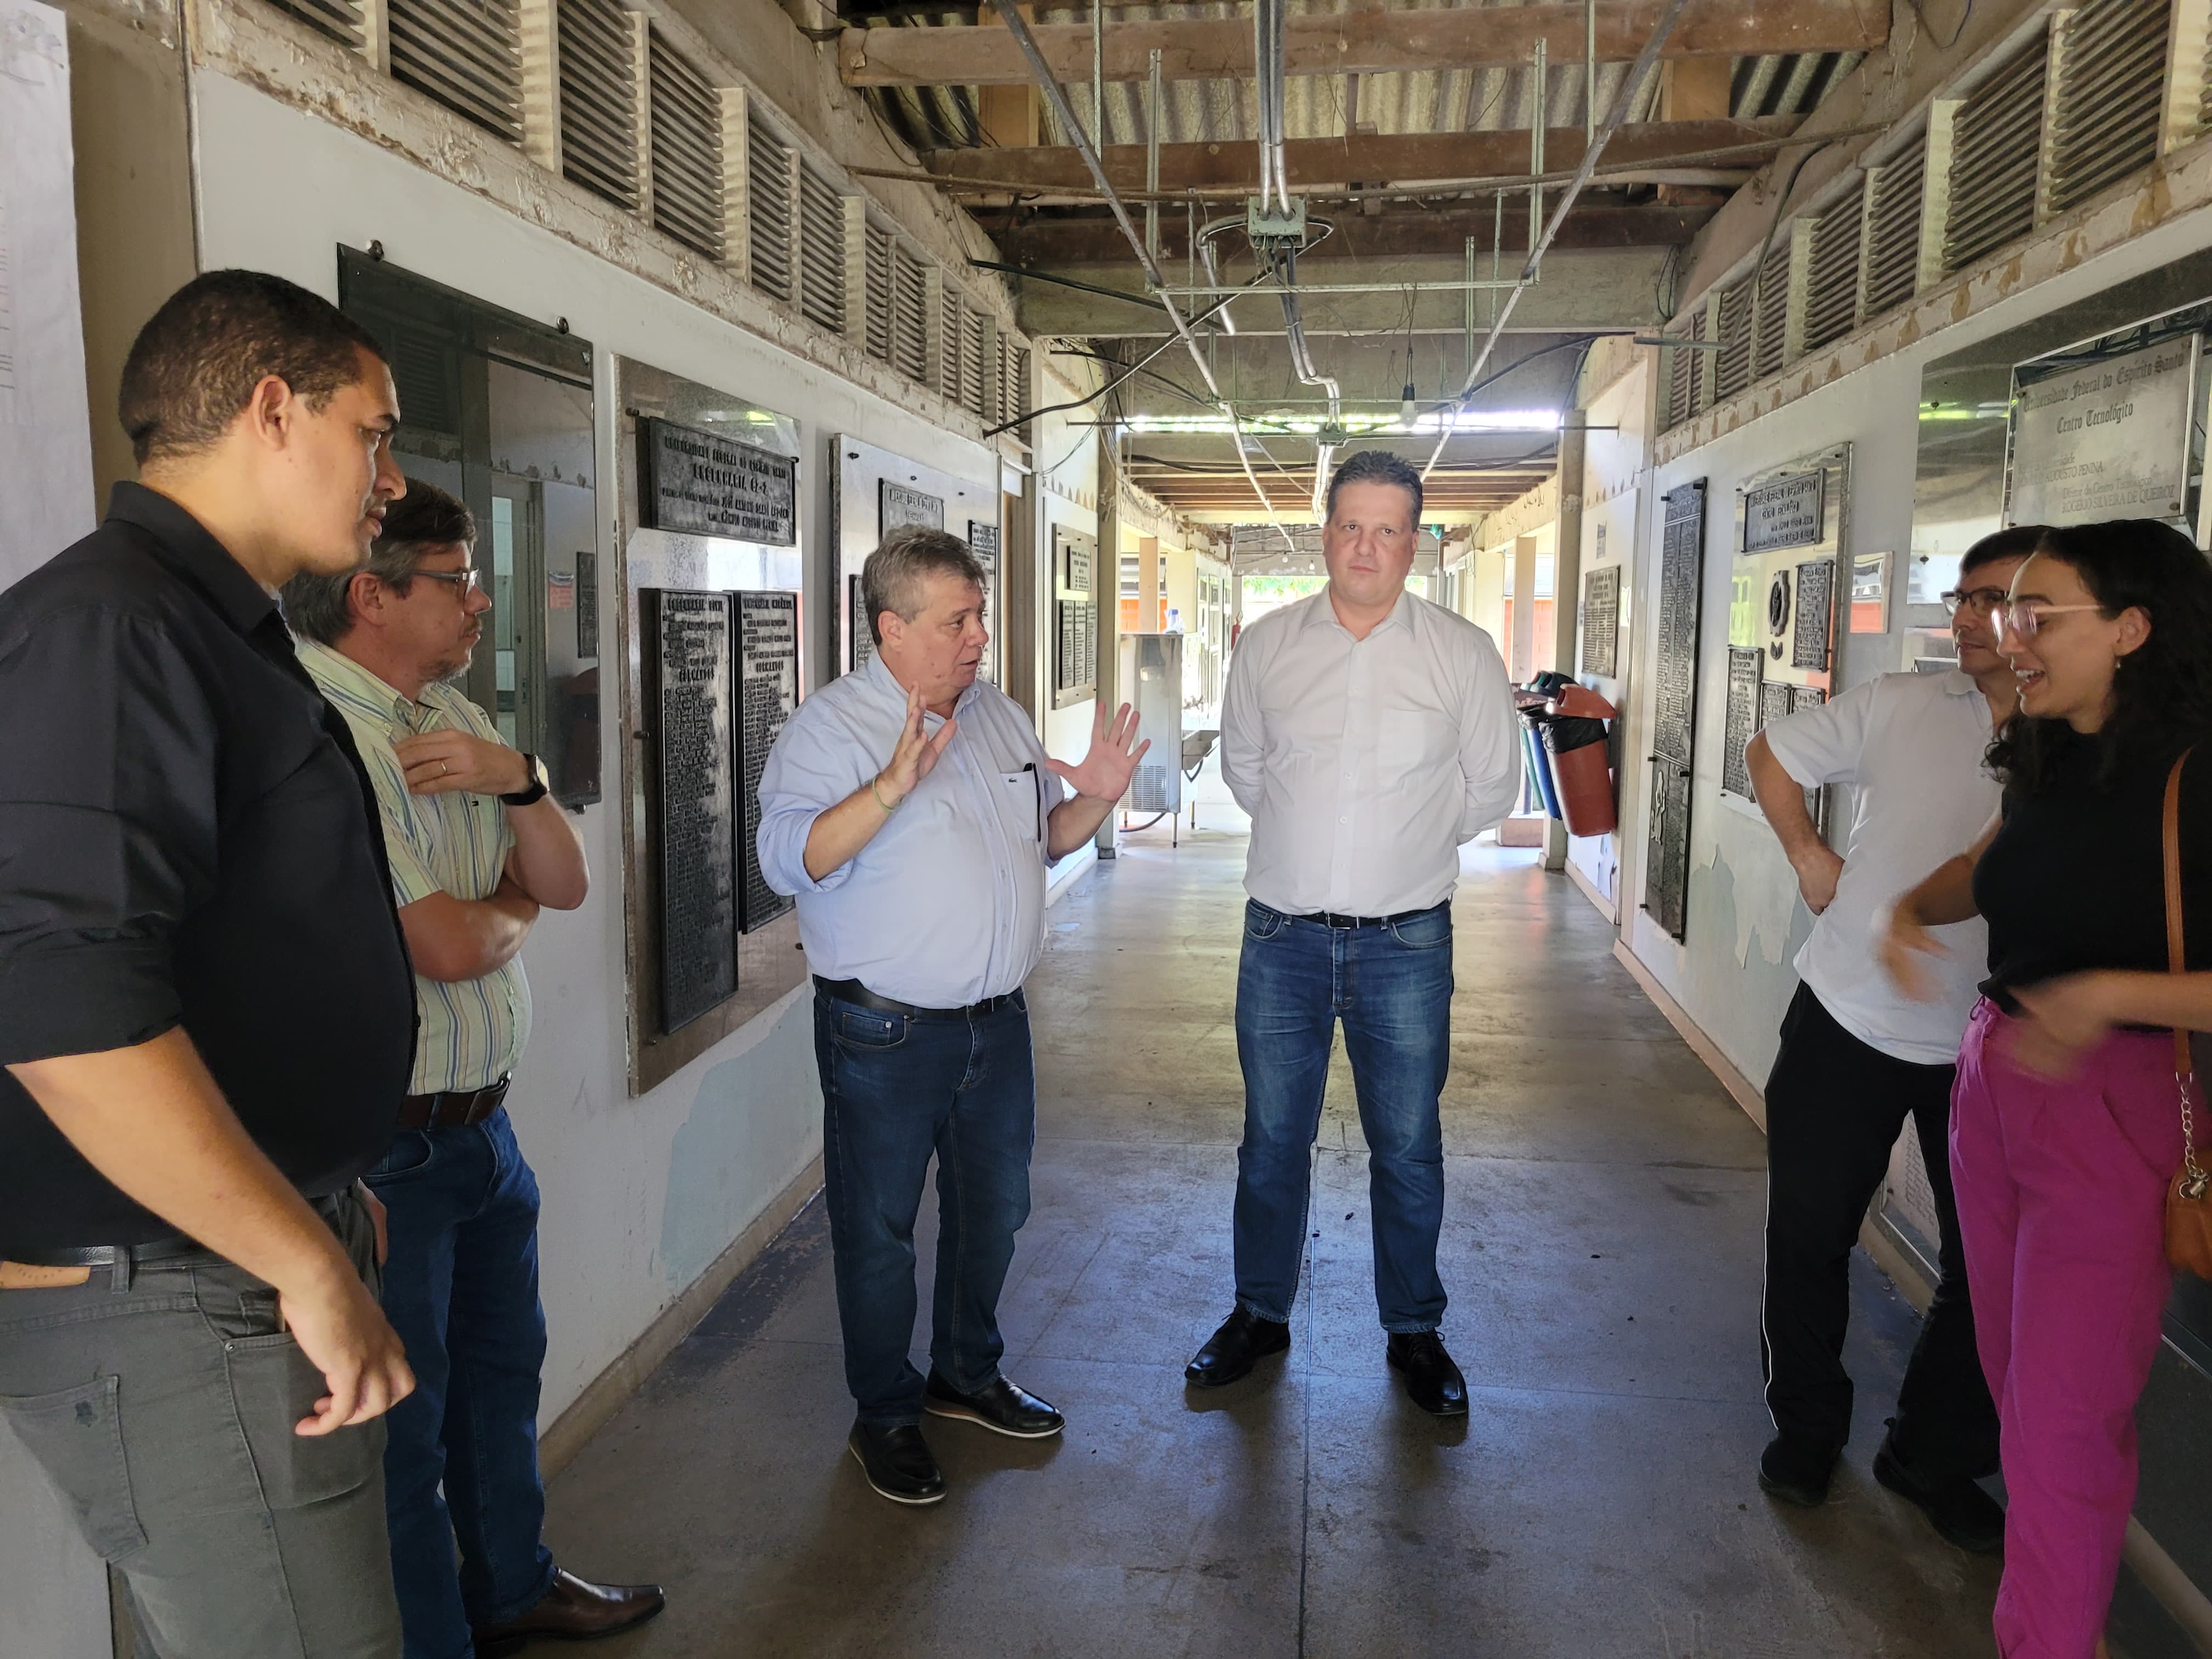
{"x":912,"y":811}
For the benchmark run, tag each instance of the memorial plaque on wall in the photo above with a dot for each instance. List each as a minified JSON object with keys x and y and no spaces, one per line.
{"x":587,"y":604}
{"x":1075,"y":621}
{"x":1674,"y":684}
{"x":1601,"y":620}
{"x":898,"y":505}
{"x":983,"y":543}
{"x":2104,"y":437}
{"x":862,"y":635}
{"x":1789,"y":513}
{"x":688,"y":660}
{"x":707,"y":484}
{"x":767,"y":690}
{"x":1744,"y":675}
{"x":1816,"y":612}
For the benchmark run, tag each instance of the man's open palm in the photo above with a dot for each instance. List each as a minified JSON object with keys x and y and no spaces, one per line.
{"x":1115,"y":751}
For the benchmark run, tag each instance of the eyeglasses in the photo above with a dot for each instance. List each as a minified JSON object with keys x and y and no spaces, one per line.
{"x":2025,"y":617}
{"x":1975,"y":602}
{"x":465,"y":580}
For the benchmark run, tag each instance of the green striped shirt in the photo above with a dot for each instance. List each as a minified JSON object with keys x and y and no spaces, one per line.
{"x":472,"y":1030}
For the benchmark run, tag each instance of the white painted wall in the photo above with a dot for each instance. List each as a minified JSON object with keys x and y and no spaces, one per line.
{"x":1732,"y":975}
{"x":639,"y":1194}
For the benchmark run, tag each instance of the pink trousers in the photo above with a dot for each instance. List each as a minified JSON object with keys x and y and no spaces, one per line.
{"x":2060,"y":1191}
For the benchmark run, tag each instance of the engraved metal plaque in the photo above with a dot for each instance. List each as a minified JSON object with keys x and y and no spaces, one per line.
{"x":708,"y":484}
{"x":767,"y":690}
{"x":1788,"y":513}
{"x":1601,"y":620}
{"x":983,"y":543}
{"x":898,"y":505}
{"x":863,"y":637}
{"x":1075,"y":621}
{"x":689,"y":660}
{"x":1743,"y":710}
{"x":1816,"y":614}
{"x":1681,"y":561}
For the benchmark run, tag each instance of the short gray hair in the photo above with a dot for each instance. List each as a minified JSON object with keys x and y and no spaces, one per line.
{"x":421,"y":521}
{"x":891,"y":578}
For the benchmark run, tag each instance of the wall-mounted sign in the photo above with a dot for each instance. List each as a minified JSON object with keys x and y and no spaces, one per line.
{"x":983,"y":543}
{"x":1602,"y":619}
{"x":767,"y":691}
{"x":707,"y":484}
{"x":2106,"y":438}
{"x":899,"y":506}
{"x":1744,"y":670}
{"x":1816,"y":611}
{"x":688,"y":658}
{"x":1788,"y":513}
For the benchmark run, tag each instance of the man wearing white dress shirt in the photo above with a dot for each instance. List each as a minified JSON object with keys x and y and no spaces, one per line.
{"x":1369,"y":734}
{"x":911,"y":808}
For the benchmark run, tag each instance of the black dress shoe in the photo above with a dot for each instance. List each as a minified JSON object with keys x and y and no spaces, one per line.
{"x":1958,"y":1509}
{"x":1432,"y":1382}
{"x":572,"y":1610}
{"x":897,"y":1461}
{"x":1796,"y":1469}
{"x":1244,"y":1340}
{"x":1002,"y":1407}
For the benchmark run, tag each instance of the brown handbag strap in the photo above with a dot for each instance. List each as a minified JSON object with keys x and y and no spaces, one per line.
{"x":2177,"y":960}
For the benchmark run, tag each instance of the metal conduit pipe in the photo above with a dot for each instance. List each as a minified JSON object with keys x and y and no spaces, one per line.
{"x":1631,"y":89}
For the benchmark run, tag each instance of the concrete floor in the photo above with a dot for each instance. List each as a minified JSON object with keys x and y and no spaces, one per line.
{"x":1601,"y":1248}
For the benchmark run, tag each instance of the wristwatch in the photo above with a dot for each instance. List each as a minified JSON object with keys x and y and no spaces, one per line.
{"x":539,"y":784}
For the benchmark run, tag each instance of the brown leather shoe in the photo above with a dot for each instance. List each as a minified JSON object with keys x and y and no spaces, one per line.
{"x":573,"y":1610}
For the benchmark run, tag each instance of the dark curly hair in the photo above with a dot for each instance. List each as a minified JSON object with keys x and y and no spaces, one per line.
{"x":2162,"y":690}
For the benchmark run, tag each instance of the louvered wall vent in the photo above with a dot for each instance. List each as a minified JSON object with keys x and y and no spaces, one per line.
{"x":1732,"y":363}
{"x":974,"y":341}
{"x":821,"y":252}
{"x":1832,"y":283}
{"x":1893,"y":258}
{"x":879,"y":292}
{"x":1770,"y":314}
{"x":2112,"y":87}
{"x":339,"y":19}
{"x":909,"y":315}
{"x":1996,"y":142}
{"x":687,"y":150}
{"x":1018,"y":404}
{"x":467,"y":54}
{"x":598,"y":99}
{"x":768,"y":202}
{"x":1684,"y":370}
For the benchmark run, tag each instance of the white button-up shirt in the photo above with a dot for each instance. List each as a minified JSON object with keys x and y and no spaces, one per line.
{"x":946,"y":906}
{"x":1364,"y":763}
{"x":1914,"y":745}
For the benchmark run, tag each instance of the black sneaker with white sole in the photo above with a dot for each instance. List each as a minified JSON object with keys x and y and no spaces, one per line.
{"x":897,"y":1461}
{"x":1000,"y":1405}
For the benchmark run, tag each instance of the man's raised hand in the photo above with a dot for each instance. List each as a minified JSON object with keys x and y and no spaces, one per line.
{"x":1105,"y":772}
{"x":915,"y":757}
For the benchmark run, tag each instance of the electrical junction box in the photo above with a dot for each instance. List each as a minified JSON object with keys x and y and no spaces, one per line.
{"x":1282,"y":225}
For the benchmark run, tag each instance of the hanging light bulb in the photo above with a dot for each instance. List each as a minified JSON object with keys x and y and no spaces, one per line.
{"x":1406,"y":411}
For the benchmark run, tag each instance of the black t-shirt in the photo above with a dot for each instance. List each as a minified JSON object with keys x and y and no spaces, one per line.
{"x":187,"y":838}
{"x":2074,"y":879}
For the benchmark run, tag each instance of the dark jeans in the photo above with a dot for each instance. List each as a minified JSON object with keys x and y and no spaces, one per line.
{"x":1392,"y":988}
{"x":161,"y":1409}
{"x":461,"y":1289}
{"x":896,"y":1089}
{"x":1834,"y":1108}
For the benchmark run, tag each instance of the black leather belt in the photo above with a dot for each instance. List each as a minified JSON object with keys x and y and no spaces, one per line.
{"x":1330,"y":919}
{"x":851,"y":990}
{"x":171,"y":1247}
{"x":453,"y":1108}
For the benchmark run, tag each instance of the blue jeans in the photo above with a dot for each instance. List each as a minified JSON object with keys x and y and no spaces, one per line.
{"x":894,"y":1090}
{"x":1392,"y":988}
{"x":460,"y":1286}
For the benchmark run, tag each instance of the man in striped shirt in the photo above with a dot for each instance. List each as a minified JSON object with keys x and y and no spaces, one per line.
{"x":476,"y":847}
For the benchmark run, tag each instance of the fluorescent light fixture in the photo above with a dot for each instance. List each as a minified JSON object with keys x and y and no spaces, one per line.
{"x":1370,"y":424}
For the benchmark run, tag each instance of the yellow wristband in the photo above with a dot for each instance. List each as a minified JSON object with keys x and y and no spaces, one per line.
{"x":887,"y":805}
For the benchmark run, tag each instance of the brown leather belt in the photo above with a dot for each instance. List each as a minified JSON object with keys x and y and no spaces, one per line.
{"x":453,"y":1108}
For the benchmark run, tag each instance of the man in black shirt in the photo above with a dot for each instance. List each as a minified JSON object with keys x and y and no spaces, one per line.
{"x":205,"y":1005}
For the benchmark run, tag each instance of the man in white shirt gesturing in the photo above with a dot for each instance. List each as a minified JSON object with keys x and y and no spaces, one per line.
{"x":1368,"y":733}
{"x":1857,"y":1057}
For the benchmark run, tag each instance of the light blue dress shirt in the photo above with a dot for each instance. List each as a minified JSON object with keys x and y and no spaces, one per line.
{"x":946,"y":906}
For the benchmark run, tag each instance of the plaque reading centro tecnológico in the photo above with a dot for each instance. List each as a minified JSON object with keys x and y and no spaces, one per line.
{"x":2106,"y":438}
{"x":1788,"y":513}
{"x":707,"y":484}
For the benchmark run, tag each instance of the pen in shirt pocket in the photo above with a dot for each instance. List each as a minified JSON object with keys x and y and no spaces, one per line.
{"x":1036,"y":782}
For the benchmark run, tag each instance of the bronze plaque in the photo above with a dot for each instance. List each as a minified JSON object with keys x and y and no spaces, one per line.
{"x":690,"y":659}
{"x":767,"y":690}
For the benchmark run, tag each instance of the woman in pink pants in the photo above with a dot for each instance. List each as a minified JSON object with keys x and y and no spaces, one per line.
{"x":2066,"y":1123}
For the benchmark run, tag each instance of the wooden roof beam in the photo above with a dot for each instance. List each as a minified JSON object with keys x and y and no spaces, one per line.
{"x":1357,"y":42}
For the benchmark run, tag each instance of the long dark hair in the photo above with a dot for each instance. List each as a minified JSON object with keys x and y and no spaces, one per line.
{"x":2162,"y":690}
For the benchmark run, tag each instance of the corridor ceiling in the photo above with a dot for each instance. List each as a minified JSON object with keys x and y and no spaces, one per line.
{"x":1407,"y":131}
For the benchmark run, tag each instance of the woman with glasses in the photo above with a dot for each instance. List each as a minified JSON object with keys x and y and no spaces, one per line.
{"x":2066,"y":1125}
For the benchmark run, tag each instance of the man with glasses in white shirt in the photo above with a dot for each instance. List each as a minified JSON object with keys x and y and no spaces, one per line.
{"x":1857,"y":1057}
{"x":1369,"y":734}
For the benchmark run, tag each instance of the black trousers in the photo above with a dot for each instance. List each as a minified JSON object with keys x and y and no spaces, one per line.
{"x":1834,"y":1108}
